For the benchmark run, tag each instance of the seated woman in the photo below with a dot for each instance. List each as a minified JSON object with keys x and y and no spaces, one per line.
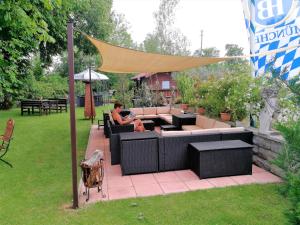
{"x":118,"y":119}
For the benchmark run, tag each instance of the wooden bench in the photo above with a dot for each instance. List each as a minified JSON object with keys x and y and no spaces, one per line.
{"x":34,"y":106}
{"x":60,"y":104}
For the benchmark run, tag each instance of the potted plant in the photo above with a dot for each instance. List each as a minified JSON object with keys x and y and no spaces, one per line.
{"x":184,"y":106}
{"x":225,"y":115}
{"x":201,"y":107}
{"x":192,"y":105}
{"x":185,"y":85}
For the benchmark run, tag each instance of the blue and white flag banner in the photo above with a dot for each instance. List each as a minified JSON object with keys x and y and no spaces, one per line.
{"x":274,"y":25}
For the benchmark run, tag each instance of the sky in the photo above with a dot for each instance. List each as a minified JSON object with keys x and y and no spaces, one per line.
{"x":222,"y":21}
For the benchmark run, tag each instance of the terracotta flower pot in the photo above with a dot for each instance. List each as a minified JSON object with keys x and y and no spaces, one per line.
{"x":225,"y":116}
{"x":184,"y":107}
{"x":201,"y":110}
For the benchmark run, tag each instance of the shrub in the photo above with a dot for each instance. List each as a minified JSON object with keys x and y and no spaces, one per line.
{"x":289,"y":161}
{"x":51,"y":86}
{"x":233,"y":93}
{"x":186,"y":88}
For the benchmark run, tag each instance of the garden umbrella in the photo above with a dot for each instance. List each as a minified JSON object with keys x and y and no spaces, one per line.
{"x":87,"y":76}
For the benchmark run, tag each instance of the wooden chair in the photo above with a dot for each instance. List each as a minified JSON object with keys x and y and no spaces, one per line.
{"x":5,"y":140}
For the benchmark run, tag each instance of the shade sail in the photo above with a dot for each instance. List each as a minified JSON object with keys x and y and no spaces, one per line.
{"x":85,"y":76}
{"x":123,"y":60}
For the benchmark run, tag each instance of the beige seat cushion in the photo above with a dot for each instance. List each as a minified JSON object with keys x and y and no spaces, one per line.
{"x":232,"y":129}
{"x":163,"y":110}
{"x":219,"y":124}
{"x":206,"y":131}
{"x":176,"y":111}
{"x":167,"y":118}
{"x":150,"y":111}
{"x":139,"y":117}
{"x":161,"y":115}
{"x":150,"y":116}
{"x":137,"y":111}
{"x":208,"y":123}
{"x":191,"y":127}
{"x":175,"y":133}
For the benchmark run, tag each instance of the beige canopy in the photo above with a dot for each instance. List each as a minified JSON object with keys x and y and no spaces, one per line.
{"x":123,"y":60}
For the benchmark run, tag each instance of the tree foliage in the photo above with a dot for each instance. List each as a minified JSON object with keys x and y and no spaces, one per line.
{"x":31,"y":30}
{"x":166,"y":39}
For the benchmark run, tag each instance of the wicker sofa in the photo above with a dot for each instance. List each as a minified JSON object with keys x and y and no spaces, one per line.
{"x":161,"y":115}
{"x":173,"y":145}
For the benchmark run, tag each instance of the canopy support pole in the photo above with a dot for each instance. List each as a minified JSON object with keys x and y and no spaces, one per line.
{"x":72,"y":112}
{"x":91,"y":94}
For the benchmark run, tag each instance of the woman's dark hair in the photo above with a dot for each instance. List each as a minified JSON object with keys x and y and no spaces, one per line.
{"x":117,"y":105}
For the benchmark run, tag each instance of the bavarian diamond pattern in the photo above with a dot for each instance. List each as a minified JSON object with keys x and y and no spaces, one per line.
{"x":288,"y":60}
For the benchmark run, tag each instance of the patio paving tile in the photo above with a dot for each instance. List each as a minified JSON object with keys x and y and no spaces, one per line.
{"x":256,"y":169}
{"x":113,"y":170}
{"x":173,"y":187}
{"x":166,"y":177}
{"x":121,"y":193}
{"x":124,"y":181}
{"x":198,"y":184}
{"x":266,"y":177}
{"x":186,"y":175}
{"x":148,"y":189}
{"x":116,"y":186}
{"x":244,"y":179}
{"x":222,"y":181}
{"x":143,"y":179}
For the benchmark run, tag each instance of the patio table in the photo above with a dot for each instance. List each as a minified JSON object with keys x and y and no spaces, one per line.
{"x":183,"y":119}
{"x":220,"y":158}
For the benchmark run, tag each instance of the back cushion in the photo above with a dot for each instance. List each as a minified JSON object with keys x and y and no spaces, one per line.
{"x":111,"y":118}
{"x":137,"y":111}
{"x":208,"y":123}
{"x":150,"y":111}
{"x":163,"y":110}
{"x":200,"y":120}
{"x":219,"y":124}
{"x":176,"y":111}
{"x":175,"y":133}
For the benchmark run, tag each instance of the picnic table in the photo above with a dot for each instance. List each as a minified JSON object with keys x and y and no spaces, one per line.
{"x":44,"y":106}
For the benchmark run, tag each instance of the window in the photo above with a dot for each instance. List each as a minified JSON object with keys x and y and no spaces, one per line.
{"x":165,"y":85}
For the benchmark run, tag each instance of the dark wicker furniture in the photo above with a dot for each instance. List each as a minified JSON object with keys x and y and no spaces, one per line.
{"x":168,"y":127}
{"x":220,"y":158}
{"x":148,"y":124}
{"x":183,"y":119}
{"x":139,"y":152}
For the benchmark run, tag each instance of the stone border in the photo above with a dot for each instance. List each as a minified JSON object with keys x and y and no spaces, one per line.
{"x":266,"y":149}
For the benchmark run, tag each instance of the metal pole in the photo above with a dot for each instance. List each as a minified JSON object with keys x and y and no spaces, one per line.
{"x":91,"y":94}
{"x":201,"y":42}
{"x":72,"y":113}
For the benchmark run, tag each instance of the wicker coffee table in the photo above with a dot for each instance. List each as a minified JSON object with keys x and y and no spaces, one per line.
{"x":220,"y":158}
{"x":183,"y":119}
{"x":148,"y":124}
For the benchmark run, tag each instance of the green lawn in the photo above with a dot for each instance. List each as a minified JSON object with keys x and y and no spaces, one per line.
{"x":38,"y":189}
